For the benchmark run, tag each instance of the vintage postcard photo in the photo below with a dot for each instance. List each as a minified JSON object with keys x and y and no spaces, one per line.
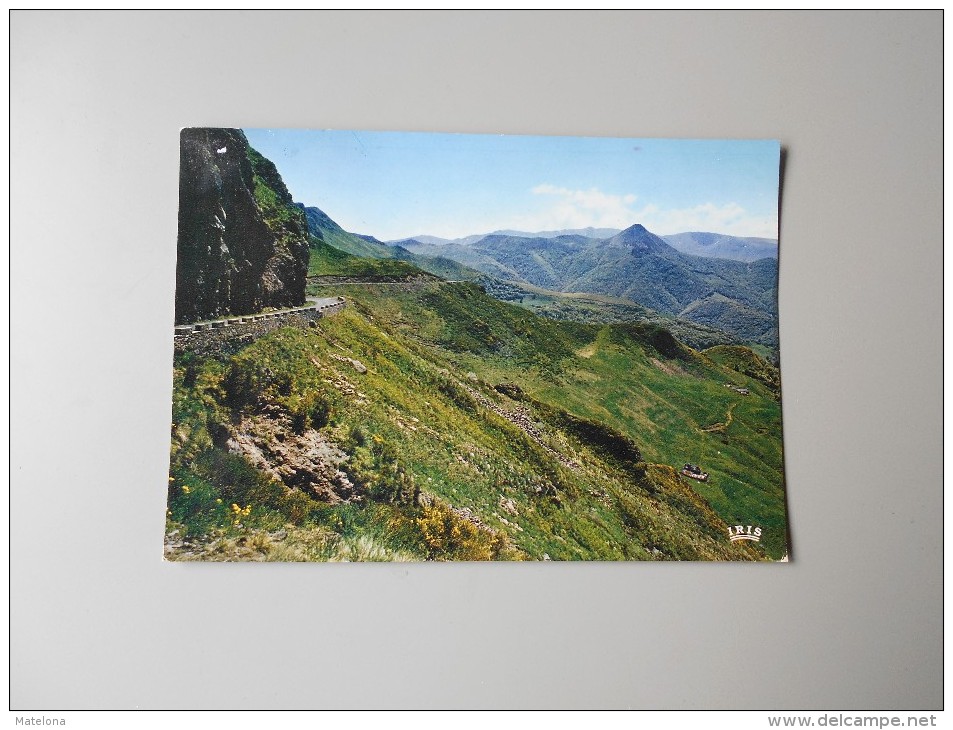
{"x":453,"y":347}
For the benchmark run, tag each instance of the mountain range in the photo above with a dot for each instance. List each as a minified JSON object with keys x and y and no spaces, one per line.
{"x":735,"y":296}
{"x":696,"y":243}
{"x":720,"y":246}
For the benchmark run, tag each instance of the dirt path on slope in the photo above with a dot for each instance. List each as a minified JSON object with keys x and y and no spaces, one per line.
{"x":721,"y":427}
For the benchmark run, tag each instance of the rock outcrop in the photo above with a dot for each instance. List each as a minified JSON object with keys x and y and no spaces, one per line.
{"x":305,"y":461}
{"x":243,"y":244}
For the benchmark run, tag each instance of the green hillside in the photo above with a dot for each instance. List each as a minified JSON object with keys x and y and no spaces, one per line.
{"x":745,"y":361}
{"x":325,"y":231}
{"x":428,"y":420}
{"x":332,"y":263}
{"x":323,"y":228}
{"x":592,"y":308}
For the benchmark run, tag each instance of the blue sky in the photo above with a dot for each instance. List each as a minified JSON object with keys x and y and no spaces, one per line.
{"x":398,"y":184}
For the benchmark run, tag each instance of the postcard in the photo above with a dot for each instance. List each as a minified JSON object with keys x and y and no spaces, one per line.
{"x":396,"y":346}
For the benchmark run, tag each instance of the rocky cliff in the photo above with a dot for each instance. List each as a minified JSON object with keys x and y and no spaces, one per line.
{"x":243,"y":244}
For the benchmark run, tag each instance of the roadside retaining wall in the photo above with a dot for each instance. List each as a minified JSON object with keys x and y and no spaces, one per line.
{"x":227,"y":336}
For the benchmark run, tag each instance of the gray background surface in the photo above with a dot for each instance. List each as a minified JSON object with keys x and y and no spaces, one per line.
{"x":99,"y":621}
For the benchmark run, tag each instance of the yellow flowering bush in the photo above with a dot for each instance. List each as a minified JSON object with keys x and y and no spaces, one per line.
{"x":239,"y":513}
{"x":450,"y":536}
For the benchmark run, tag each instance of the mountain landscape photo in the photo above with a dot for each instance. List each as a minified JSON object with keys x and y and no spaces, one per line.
{"x":425,"y":347}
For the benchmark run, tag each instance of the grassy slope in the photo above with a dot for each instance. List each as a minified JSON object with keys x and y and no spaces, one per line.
{"x":370,"y":258}
{"x":327,"y":260}
{"x":417,"y":424}
{"x":747,"y":362}
{"x":662,"y":403}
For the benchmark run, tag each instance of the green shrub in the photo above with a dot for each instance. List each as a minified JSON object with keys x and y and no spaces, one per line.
{"x":279,"y":371}
{"x":378,"y":468}
{"x":197,"y":506}
{"x":356,"y":435}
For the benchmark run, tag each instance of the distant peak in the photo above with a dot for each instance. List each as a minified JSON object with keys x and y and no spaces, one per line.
{"x":639,"y":238}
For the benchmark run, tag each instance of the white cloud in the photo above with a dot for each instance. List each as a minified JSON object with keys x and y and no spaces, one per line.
{"x":593,"y":207}
{"x":730,"y":218}
{"x":581,"y":208}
